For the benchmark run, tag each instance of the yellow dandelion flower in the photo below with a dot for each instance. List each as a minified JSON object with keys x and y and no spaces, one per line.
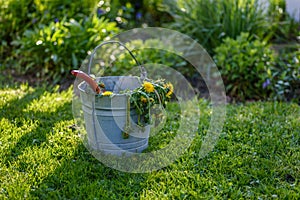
{"x":171,"y":89}
{"x":143,"y":99}
{"x":148,"y":87}
{"x":168,"y":95}
{"x":107,"y":93}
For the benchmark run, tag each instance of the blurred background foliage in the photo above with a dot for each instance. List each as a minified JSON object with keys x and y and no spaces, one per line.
{"x":255,"y":47}
{"x":245,"y":64}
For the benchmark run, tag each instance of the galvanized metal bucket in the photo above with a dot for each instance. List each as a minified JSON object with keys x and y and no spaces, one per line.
{"x":106,"y":117}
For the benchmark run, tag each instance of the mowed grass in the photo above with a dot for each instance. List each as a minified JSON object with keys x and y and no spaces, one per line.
{"x":42,"y":157}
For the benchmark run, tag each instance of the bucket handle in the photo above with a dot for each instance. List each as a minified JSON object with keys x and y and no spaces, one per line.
{"x":142,"y":68}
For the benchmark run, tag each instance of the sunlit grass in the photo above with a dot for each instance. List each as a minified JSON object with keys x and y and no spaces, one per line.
{"x":42,"y":156}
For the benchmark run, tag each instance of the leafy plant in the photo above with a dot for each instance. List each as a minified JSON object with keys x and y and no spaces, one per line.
{"x":282,"y":26}
{"x":50,"y":51}
{"x":131,"y":13}
{"x":152,"y":54}
{"x":285,"y":77}
{"x":16,"y":16}
{"x":118,"y":61}
{"x":213,"y":21}
{"x":245,"y":65}
{"x":13,"y":21}
{"x":143,"y":98}
{"x":149,"y":94}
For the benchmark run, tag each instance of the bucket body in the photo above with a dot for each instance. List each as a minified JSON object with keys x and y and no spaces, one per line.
{"x":105,"y":117}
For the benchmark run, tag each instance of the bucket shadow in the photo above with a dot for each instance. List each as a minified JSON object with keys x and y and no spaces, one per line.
{"x":84,"y":177}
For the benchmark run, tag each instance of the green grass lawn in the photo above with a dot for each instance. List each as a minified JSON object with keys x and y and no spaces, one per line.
{"x":42,"y":157}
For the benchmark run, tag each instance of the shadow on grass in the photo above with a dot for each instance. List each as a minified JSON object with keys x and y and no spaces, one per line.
{"x":14,"y":112}
{"x":84,"y":177}
{"x":77,"y":176}
{"x":81,"y":176}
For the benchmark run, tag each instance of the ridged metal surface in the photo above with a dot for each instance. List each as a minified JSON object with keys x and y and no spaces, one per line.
{"x":105,"y":118}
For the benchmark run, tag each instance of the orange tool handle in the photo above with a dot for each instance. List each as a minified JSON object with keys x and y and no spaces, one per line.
{"x":87,"y":79}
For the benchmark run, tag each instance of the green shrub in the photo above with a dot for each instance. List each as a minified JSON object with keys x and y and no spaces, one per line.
{"x":146,"y":55}
{"x":50,"y":51}
{"x":132,"y":13}
{"x":158,"y":60}
{"x":211,"y":21}
{"x":285,"y":77}
{"x":16,"y":16}
{"x":111,"y":59}
{"x":19,"y":16}
{"x":13,"y":21}
{"x":282,"y":26}
{"x":245,"y":66}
